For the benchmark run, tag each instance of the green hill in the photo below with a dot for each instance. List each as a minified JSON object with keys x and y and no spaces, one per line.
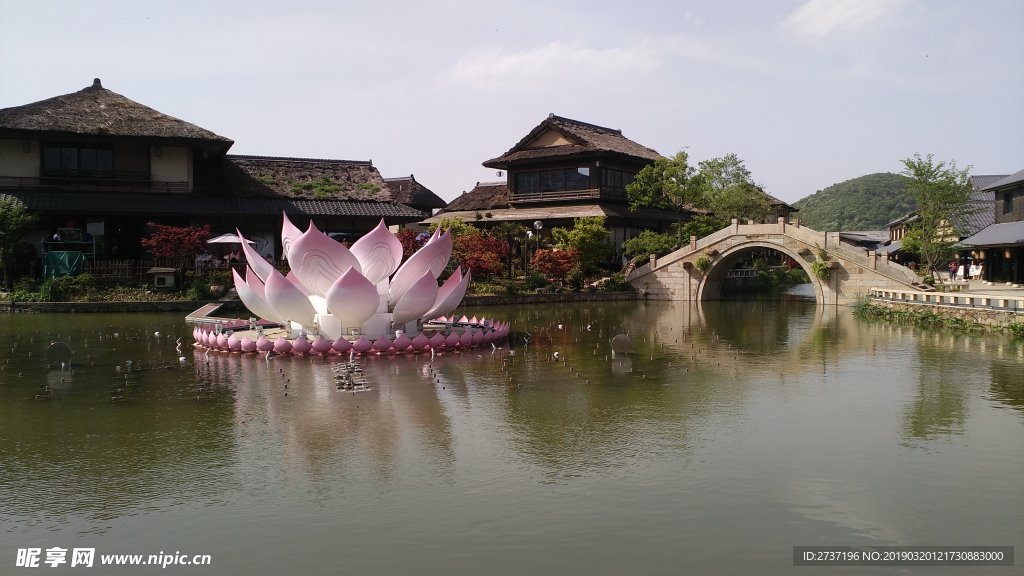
{"x":866,"y":203}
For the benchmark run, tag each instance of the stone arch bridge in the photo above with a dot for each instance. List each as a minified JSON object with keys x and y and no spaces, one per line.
{"x":853,"y":271}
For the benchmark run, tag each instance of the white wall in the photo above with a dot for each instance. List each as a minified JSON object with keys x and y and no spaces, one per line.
{"x":14,"y":161}
{"x":170,"y":164}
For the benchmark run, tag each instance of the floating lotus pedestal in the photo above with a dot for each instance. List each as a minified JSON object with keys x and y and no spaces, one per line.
{"x":362,"y":299}
{"x":439,"y":335}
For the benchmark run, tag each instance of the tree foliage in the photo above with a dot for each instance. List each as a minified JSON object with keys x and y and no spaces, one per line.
{"x":481,"y":253}
{"x":646,"y":243}
{"x":588,"y":238}
{"x":731,"y":191}
{"x":411,"y":241}
{"x":869,"y":202}
{"x":554,"y":263}
{"x":178,"y":243}
{"x":15,"y":223}
{"x":943,"y":194}
{"x":515,"y":235}
{"x":670,"y":183}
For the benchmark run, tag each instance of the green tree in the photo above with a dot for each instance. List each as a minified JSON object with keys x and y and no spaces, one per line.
{"x":731,"y":191}
{"x":588,"y":238}
{"x":943,"y":194}
{"x":646,"y":243}
{"x":15,"y":223}
{"x":670,"y":183}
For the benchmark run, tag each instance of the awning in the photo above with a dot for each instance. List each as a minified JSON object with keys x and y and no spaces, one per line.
{"x":1002,"y":234}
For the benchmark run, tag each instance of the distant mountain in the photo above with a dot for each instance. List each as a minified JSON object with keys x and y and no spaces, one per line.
{"x":866,"y":203}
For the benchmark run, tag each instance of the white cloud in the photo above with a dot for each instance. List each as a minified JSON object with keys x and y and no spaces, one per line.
{"x":569,"y":65}
{"x":818,"y":18}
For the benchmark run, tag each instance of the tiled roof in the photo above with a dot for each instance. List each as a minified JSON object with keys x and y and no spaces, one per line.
{"x":99,"y":112}
{"x":548,"y":212}
{"x":186,"y":204}
{"x":1002,"y":234}
{"x":586,"y":139}
{"x":1015,"y":178}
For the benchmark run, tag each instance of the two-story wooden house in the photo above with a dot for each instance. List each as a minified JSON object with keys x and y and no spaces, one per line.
{"x":95,"y":166}
{"x":561,"y":170}
{"x":999,"y":247}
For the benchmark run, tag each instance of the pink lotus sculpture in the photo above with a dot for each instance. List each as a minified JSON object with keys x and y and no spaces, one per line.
{"x":366,"y":289}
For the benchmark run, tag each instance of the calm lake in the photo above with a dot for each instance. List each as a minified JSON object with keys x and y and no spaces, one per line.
{"x":733,"y":432}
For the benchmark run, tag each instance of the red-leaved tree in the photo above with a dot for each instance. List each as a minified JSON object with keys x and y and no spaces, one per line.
{"x":411,"y":241}
{"x":482,"y":254}
{"x":554,"y":263}
{"x":178,"y":243}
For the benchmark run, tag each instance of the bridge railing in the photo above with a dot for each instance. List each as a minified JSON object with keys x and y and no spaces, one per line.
{"x":830,"y":242}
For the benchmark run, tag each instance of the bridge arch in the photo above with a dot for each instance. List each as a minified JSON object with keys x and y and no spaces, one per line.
{"x":710,"y":285}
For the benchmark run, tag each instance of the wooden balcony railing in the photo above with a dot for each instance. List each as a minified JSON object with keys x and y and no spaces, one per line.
{"x":555,"y":196}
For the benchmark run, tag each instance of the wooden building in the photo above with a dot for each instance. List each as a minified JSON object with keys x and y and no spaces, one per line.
{"x":96,"y":166}
{"x":561,"y":170}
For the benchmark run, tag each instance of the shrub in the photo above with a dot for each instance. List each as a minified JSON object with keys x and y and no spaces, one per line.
{"x":703,"y":263}
{"x":535,"y":280}
{"x":574,"y":278}
{"x":617,"y":283}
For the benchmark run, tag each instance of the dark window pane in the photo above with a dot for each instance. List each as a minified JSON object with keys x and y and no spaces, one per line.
{"x":105,"y":161}
{"x":68,"y":159}
{"x":577,"y":178}
{"x":51,"y":158}
{"x":552,"y":180}
{"x":527,"y":182}
{"x":87,"y":159}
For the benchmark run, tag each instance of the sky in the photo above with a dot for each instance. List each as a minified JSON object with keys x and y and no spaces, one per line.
{"x":807,"y":93}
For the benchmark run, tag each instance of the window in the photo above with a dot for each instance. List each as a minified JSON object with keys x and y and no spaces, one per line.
{"x":615,"y":181}
{"x":558,"y":180}
{"x":1008,"y":202}
{"x":78,"y":162}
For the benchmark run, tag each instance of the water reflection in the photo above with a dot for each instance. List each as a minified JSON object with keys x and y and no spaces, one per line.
{"x":725,"y":422}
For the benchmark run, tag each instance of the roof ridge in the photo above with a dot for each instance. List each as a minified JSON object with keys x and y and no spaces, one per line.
{"x":553,"y":116}
{"x":291,"y":159}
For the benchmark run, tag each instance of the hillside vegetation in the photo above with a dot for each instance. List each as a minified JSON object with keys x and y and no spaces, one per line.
{"x":866,"y":203}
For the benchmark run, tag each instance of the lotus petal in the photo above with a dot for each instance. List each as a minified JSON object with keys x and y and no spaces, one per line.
{"x":256,"y":262}
{"x":341,"y":345}
{"x":263,"y":344}
{"x":432,"y":256}
{"x":289,"y":234}
{"x":260,"y":290}
{"x":353,"y":299}
{"x":473,"y":320}
{"x":318,"y":261}
{"x":452,"y":340}
{"x":450,"y":294}
{"x":463,"y":320}
{"x":294,"y":279}
{"x":321,"y":345}
{"x":288,"y":301}
{"x":196,"y":333}
{"x":362,"y":345}
{"x":416,"y":301}
{"x":382,"y":344}
{"x":253,"y":301}
{"x":467,"y":339}
{"x":379,"y":253}
{"x":282,"y":345}
{"x":402,"y":342}
{"x":248,"y":344}
{"x":234,"y":343}
{"x":437,"y":341}
{"x":211,"y":340}
{"x":302,"y":345}
{"x":478,"y":337}
{"x":419,"y":342}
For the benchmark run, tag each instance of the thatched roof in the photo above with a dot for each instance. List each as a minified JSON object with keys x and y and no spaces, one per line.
{"x":408,"y":191}
{"x":309,"y":178}
{"x":96,"y":111}
{"x":483,"y":196}
{"x":584,"y":140}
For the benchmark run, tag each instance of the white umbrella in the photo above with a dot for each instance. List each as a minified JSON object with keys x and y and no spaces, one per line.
{"x":227,"y":239}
